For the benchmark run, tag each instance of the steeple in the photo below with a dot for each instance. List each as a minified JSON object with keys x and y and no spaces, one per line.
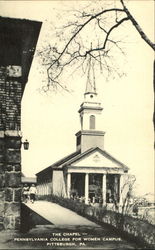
{"x":91,"y":134}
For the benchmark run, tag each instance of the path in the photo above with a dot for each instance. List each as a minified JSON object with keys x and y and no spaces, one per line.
{"x":59,"y":215}
{"x":68,"y":231}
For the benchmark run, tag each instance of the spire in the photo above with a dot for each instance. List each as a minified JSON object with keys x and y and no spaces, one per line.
{"x":90,"y":84}
{"x":90,"y":87}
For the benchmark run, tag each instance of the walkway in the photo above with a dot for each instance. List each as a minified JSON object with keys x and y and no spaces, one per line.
{"x":59,"y":215}
{"x":68,"y":231}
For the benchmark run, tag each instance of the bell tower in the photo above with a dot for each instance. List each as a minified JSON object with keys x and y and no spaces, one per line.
{"x":91,"y":134}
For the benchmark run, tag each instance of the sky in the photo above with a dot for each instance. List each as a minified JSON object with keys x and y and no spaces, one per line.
{"x":50,"y":120}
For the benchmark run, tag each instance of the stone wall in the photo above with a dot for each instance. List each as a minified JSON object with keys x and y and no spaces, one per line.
{"x":16,"y":54}
{"x":10,"y":98}
{"x":10,"y":144}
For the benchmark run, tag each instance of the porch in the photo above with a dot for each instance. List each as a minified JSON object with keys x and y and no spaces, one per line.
{"x":94,"y":188}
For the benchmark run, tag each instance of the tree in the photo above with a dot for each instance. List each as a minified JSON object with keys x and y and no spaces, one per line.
{"x":127,"y":192}
{"x":88,"y":41}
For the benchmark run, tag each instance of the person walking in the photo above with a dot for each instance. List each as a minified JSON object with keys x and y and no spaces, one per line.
{"x":25,"y":192}
{"x":33,"y":192}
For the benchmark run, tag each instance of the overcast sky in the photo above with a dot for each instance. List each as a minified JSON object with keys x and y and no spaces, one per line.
{"x":50,"y":121}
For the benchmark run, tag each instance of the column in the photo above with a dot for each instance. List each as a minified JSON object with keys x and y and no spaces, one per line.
{"x":104,"y":188}
{"x":68,"y":184}
{"x":116,"y":188}
{"x":86,"y":187}
{"x":120,"y":190}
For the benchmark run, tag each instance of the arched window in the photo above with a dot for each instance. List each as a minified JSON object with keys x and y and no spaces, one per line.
{"x":92,"y":122}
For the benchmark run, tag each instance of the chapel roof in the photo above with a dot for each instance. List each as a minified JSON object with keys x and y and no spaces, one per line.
{"x":61,"y":161}
{"x":77,"y":155}
{"x":91,"y":150}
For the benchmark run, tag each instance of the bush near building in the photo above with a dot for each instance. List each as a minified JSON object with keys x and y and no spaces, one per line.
{"x":128,"y":226}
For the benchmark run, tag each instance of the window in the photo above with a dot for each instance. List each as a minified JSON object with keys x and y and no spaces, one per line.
{"x":92,"y":122}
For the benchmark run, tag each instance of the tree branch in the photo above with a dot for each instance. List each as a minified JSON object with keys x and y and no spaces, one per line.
{"x":81,"y":27}
{"x":77,"y":47}
{"x":137,"y":26}
{"x":112,"y":28}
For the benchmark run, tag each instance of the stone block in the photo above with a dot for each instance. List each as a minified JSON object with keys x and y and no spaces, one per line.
{"x":17,"y":167}
{"x":9,"y":167}
{"x":17,"y":222}
{"x":1,"y":226}
{"x":17,"y":194}
{"x":2,"y":142}
{"x":1,"y":168}
{"x":12,"y":209}
{"x":2,"y":180}
{"x":13,"y":142}
{"x":1,"y":210}
{"x":14,"y":167}
{"x":2,"y":158}
{"x":12,"y":179}
{"x":13,"y":156}
{"x":1,"y":219}
{"x":9,"y":194}
{"x":2,"y":195}
{"x":9,"y":222}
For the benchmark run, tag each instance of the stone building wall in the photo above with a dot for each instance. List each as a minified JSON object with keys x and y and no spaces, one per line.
{"x":16,"y":54}
{"x":10,"y":155}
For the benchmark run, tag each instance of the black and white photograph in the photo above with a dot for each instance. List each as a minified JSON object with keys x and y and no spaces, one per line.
{"x":77,"y":124}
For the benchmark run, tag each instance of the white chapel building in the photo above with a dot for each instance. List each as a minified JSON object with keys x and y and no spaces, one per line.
{"x":90,"y":171}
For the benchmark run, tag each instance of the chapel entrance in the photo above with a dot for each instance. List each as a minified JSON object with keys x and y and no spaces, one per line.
{"x":95,"y":188}
{"x":77,"y":185}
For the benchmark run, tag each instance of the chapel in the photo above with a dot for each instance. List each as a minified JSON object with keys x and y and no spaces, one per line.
{"x":90,"y":172}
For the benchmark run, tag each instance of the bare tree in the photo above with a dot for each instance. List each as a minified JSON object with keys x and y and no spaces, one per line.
{"x":88,"y":41}
{"x":127,"y":193}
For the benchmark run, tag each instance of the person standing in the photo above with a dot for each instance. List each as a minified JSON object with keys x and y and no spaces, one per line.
{"x":32,"y":192}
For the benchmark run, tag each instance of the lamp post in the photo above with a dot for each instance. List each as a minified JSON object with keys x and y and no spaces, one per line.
{"x":26,"y":144}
